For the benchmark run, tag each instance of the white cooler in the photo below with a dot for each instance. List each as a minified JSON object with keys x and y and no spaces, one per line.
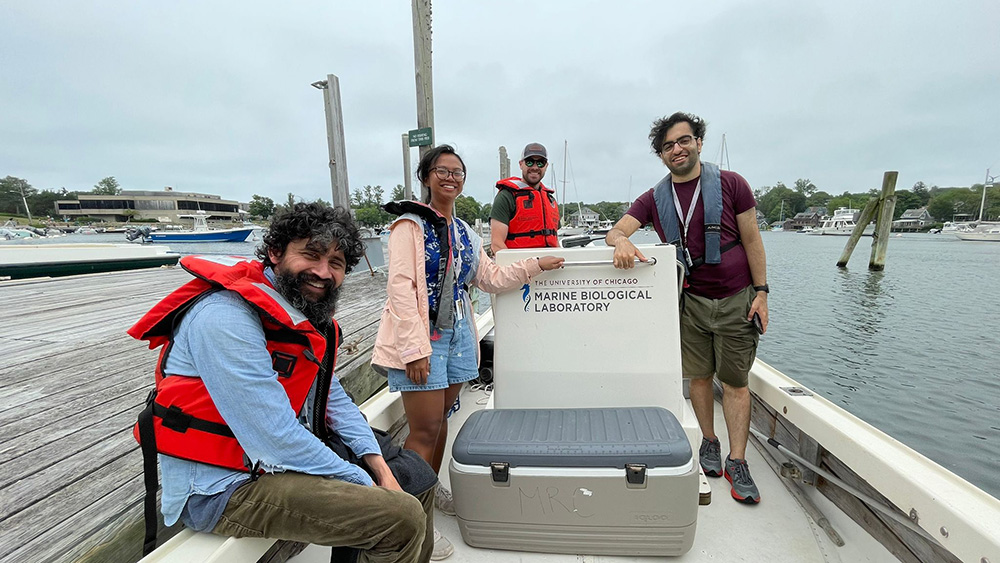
{"x":596,"y":481}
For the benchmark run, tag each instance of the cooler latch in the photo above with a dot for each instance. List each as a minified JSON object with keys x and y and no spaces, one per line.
{"x":635,"y":473}
{"x":500,"y":470}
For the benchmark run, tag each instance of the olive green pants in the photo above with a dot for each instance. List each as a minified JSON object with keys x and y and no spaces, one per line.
{"x":387,"y":526}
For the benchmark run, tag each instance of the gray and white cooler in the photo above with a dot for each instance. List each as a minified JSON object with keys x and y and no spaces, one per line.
{"x":614,"y":481}
{"x":586,"y":447}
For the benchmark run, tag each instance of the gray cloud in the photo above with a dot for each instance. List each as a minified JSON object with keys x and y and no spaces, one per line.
{"x":215,"y":97}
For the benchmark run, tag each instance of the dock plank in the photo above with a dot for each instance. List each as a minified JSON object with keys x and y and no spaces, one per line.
{"x":71,"y":385}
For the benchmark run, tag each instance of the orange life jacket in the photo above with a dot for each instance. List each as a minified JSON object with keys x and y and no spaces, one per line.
{"x":185,"y":421}
{"x":536,"y":215}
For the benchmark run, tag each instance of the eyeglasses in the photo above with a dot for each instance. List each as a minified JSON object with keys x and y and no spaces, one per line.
{"x":443,"y":173}
{"x":539,"y":163}
{"x":684,"y":142}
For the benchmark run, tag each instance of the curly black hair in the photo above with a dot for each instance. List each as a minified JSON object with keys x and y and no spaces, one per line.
{"x":662,"y":125}
{"x":318,"y":222}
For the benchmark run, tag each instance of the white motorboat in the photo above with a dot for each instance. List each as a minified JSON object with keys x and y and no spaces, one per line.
{"x":200,"y":232}
{"x":842,"y":223}
{"x":951,"y":227}
{"x":923,"y":512}
{"x":28,"y":260}
{"x":570,"y":231}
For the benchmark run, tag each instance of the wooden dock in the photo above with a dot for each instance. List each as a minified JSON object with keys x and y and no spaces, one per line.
{"x":71,"y":385}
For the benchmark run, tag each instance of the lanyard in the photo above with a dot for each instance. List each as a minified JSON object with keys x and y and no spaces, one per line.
{"x":686,"y":222}
{"x":457,"y":245}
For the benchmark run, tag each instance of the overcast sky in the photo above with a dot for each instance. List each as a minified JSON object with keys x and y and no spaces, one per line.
{"x":215,"y":96}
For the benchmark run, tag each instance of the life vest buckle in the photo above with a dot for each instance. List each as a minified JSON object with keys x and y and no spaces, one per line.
{"x":176,"y":419}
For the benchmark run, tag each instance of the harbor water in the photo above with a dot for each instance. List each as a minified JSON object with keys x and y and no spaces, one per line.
{"x":912,"y":350}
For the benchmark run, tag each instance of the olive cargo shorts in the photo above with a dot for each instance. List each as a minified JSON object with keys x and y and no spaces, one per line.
{"x":716,"y":337}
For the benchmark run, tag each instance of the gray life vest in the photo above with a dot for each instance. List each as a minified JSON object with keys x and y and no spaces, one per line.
{"x":711,"y":197}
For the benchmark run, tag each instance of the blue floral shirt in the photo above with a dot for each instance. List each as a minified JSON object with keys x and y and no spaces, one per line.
{"x":462,"y":255}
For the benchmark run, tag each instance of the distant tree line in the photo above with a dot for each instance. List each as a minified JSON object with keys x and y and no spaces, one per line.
{"x":941,"y":203}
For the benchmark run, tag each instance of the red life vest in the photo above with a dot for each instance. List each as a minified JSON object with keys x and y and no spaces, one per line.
{"x":536,"y":215}
{"x":186,"y":423}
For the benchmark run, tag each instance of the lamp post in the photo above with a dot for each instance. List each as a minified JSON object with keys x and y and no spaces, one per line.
{"x":335,"y":140}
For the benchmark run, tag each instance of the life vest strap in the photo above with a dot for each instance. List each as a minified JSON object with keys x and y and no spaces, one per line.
{"x":725,"y":248}
{"x":176,"y":419}
{"x":147,"y":442}
{"x":538,"y":233}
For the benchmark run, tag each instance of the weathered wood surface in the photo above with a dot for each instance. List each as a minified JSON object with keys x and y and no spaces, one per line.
{"x":904,"y":544}
{"x":71,"y":385}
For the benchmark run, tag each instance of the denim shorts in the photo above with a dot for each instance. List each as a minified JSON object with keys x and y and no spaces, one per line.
{"x":453,"y":360}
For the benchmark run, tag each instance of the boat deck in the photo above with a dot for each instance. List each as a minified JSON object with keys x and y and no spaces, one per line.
{"x":776,"y":530}
{"x":71,"y":385}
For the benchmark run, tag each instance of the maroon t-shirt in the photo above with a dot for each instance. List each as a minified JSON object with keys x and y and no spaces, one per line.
{"x":714,"y":281}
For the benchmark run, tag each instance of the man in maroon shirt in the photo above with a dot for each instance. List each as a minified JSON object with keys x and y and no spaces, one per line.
{"x":725,"y":289}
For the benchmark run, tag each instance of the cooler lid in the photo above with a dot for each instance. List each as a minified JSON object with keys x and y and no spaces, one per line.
{"x":591,"y":437}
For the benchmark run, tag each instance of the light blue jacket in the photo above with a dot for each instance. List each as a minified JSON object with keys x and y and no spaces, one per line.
{"x":222,"y":341}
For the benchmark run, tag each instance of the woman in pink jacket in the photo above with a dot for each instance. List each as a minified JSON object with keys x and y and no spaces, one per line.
{"x":427,"y":339}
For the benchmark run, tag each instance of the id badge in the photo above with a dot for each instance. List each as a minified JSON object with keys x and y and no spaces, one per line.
{"x":687,"y":258}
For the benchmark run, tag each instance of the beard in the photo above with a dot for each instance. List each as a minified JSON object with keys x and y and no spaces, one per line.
{"x":319,"y":312}
{"x":683,"y":169}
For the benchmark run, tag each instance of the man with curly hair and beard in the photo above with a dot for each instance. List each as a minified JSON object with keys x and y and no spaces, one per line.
{"x":254,"y":434}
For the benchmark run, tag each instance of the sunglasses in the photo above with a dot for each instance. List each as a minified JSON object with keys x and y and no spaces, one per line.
{"x":539,"y":163}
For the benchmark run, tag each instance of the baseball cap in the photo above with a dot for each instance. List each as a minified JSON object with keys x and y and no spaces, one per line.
{"x":534,"y":149}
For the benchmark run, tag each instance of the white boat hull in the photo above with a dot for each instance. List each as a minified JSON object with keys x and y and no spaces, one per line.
{"x":962,"y":518}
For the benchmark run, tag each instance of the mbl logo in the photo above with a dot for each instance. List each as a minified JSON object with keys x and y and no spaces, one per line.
{"x":526,"y":295}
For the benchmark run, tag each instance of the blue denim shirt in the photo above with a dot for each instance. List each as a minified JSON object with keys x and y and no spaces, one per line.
{"x":221,"y":340}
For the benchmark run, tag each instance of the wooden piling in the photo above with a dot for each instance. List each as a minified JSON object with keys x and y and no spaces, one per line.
{"x":859,"y":229}
{"x":424,"y":74}
{"x":504,"y":163}
{"x":884,"y":206}
{"x":884,"y":223}
{"x":407,"y":185}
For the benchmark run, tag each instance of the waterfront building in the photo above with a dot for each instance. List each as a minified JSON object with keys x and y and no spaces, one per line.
{"x":913,"y":220}
{"x":163,"y":206}
{"x":804,"y":219}
{"x":584,"y":217}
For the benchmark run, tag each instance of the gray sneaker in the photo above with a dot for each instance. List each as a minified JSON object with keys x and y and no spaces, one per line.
{"x":710,"y":454}
{"x":738,"y":475}
{"x":442,"y":547}
{"x":444,"y":501}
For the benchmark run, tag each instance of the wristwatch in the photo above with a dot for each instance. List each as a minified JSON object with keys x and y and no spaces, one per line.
{"x":763,"y":288}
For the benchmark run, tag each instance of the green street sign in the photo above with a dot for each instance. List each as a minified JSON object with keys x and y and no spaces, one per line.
{"x":420,"y":137}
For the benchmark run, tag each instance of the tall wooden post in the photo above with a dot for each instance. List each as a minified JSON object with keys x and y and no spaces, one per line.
{"x":884,"y":223}
{"x":866,"y":217}
{"x":422,"y":65}
{"x":335,"y":140}
{"x":407,"y":185}
{"x":504,"y":163}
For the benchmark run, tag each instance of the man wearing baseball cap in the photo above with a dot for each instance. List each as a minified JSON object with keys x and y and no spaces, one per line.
{"x":525,"y":214}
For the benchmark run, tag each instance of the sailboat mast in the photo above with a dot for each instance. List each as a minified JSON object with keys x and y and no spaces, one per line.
{"x":562,"y":220}
{"x":724,"y":154}
{"x":982,"y":204}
